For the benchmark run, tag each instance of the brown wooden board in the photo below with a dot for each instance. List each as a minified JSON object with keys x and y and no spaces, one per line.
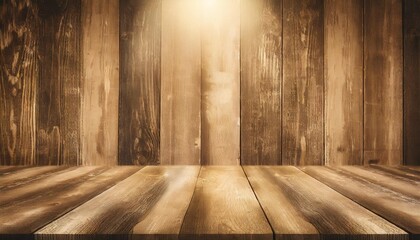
{"x":396,"y":172}
{"x":18,"y":77}
{"x":180,"y":123}
{"x":224,"y":207}
{"x":343,"y":71}
{"x":261,"y":81}
{"x":58,"y":86}
{"x":300,"y":207}
{"x":6,"y":170}
{"x":220,"y":88}
{"x":400,"y":209}
{"x":411,"y":82}
{"x":383,"y":82}
{"x":152,"y":202}
{"x":44,"y":206}
{"x":99,"y":112}
{"x":303,"y":83}
{"x":139,"y":104}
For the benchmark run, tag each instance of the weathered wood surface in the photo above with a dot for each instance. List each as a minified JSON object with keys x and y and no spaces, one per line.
{"x":343,"y":66}
{"x":383,"y":82}
{"x":298,"y":206}
{"x":180,"y":133}
{"x":224,"y":207}
{"x":261,"y":82}
{"x":396,"y":172}
{"x":18,"y":77}
{"x":152,"y":201}
{"x":42,"y":207}
{"x":400,"y":209}
{"x":58,"y":86}
{"x":220,"y":88}
{"x":139,"y":106}
{"x":303,"y":83}
{"x":99,"y":112}
{"x":411,"y":82}
{"x":6,"y":170}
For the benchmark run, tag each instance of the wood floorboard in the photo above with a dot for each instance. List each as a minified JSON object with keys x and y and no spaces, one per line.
{"x":396,"y":172}
{"x":5,"y":170}
{"x":150,"y":203}
{"x":402,"y":210}
{"x":44,"y":205}
{"x":300,"y":207}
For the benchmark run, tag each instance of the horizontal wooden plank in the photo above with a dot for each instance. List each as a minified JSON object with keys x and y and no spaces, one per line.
{"x":402,"y":210}
{"x":224,"y":207}
{"x":5,"y":170}
{"x":152,"y":201}
{"x":48,"y":204}
{"x":397,"y":172}
{"x":298,"y":206}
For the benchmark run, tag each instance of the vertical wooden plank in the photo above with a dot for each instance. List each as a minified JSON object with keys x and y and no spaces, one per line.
{"x":58,"y":95}
{"x":383,"y":82}
{"x":220,"y":99}
{"x":261,"y":78}
{"x":100,"y":81}
{"x":139,"y":106}
{"x":343,"y":71}
{"x":181,"y":82}
{"x":303,"y":83}
{"x":18,"y":78}
{"x":411,"y":82}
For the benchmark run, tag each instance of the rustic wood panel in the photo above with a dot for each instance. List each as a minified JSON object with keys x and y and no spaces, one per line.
{"x":99,"y":112}
{"x":18,"y":79}
{"x":44,"y":206}
{"x":411,"y":82}
{"x":58,"y":89}
{"x":181,"y":82}
{"x":383,"y":82}
{"x":343,"y":71}
{"x":139,"y":107}
{"x":6,"y":170}
{"x":396,"y":172}
{"x":261,"y":81}
{"x":152,"y":201}
{"x":396,"y":207}
{"x":220,"y":88}
{"x":224,"y":207}
{"x":303,"y":83}
{"x":300,"y":207}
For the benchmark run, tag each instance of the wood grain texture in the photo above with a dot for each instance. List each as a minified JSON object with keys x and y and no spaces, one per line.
{"x":139,"y":106}
{"x":42,"y":207}
{"x":261,"y":81}
{"x":224,"y":207}
{"x":400,"y":209}
{"x":343,"y":72}
{"x":6,"y":170}
{"x":181,"y":82}
{"x":58,"y":86}
{"x":383,"y":82}
{"x":100,"y":77}
{"x":152,"y":201}
{"x":18,"y":79}
{"x":300,"y":207}
{"x":220,"y":88}
{"x":303,"y":83}
{"x":411,"y":82}
{"x":396,"y":172}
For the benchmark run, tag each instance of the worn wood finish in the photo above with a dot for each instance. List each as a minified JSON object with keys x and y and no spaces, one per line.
{"x":220,"y":89}
{"x":181,"y":82}
{"x":299,"y":206}
{"x":18,"y":79}
{"x":43,"y":207}
{"x":396,"y":207}
{"x":58,"y":86}
{"x":396,"y":172}
{"x":5,"y":170}
{"x":224,"y":207}
{"x":383,"y":82}
{"x":303,"y":83}
{"x":139,"y":106}
{"x":152,"y":201}
{"x":261,"y":80}
{"x":411,"y":82}
{"x":343,"y":71}
{"x":99,"y":112}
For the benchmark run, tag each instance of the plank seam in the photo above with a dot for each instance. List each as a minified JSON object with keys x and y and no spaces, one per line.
{"x":189,"y":204}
